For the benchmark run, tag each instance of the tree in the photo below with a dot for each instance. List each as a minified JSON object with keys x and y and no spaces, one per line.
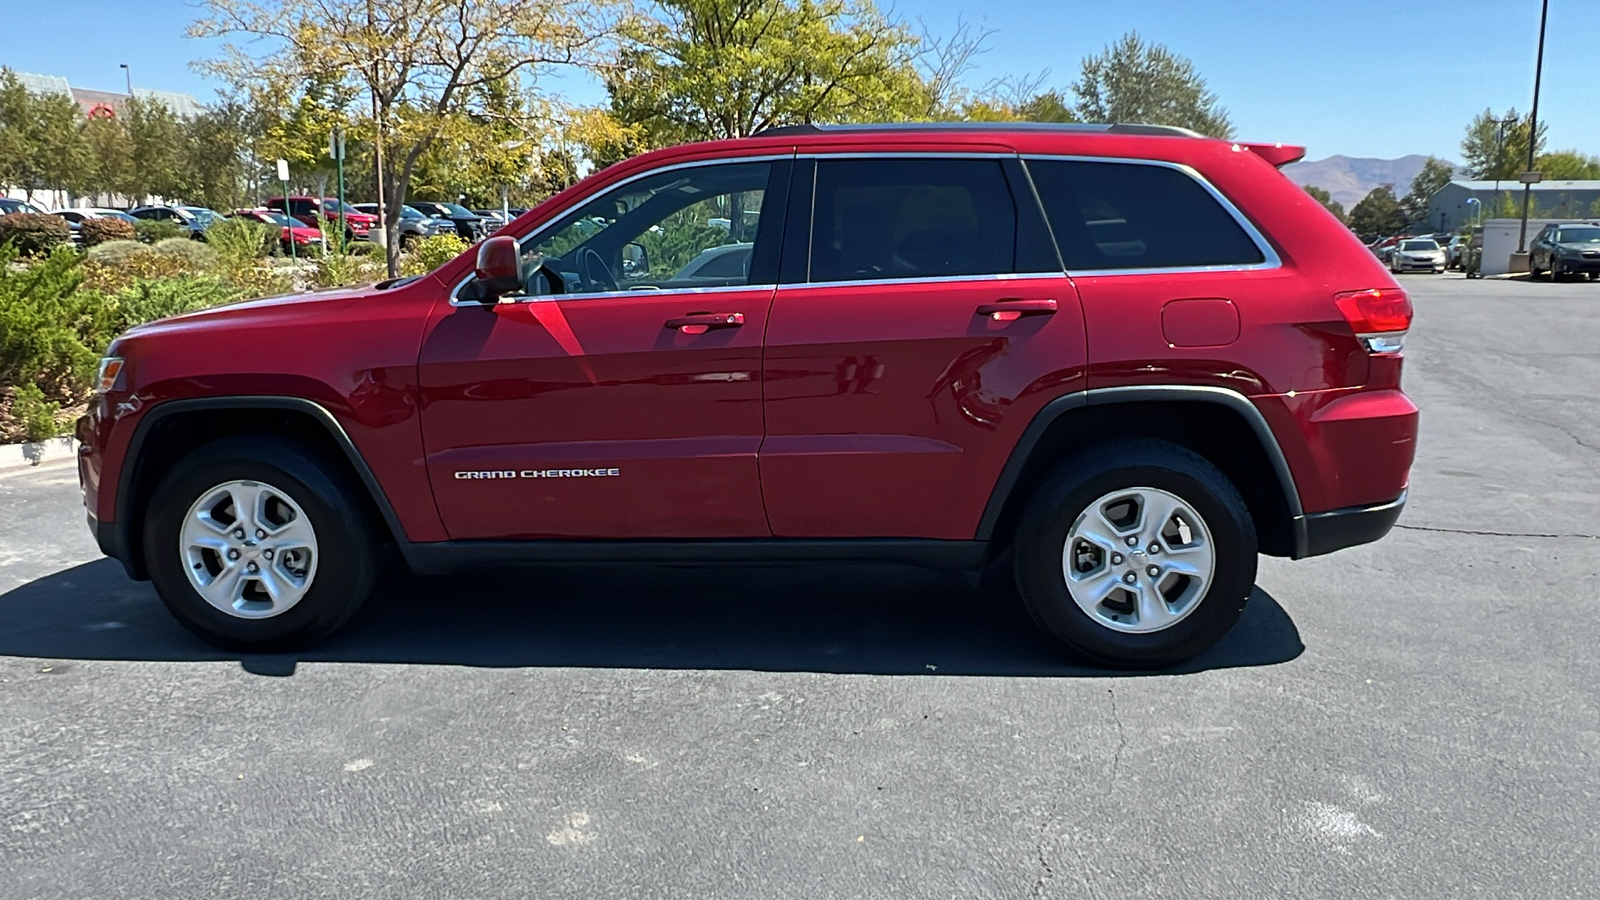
{"x":213,"y":157}
{"x":1435,"y":174}
{"x":419,"y":63}
{"x":1497,"y":148}
{"x":1328,"y":203}
{"x":1133,"y":81}
{"x":1377,"y":214}
{"x":1568,"y":165}
{"x":42,"y":145}
{"x":709,"y":69}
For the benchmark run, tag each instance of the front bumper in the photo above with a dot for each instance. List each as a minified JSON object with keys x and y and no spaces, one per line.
{"x":1567,"y":264}
{"x":1410,"y":265}
{"x":1325,"y":532}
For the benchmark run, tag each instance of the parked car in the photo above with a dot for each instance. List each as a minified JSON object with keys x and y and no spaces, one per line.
{"x":295,"y":238}
{"x":930,"y":358}
{"x":9,"y":206}
{"x":312,"y":211}
{"x":493,"y":219}
{"x":1416,"y":255}
{"x":193,"y":219}
{"x":1454,"y":249}
{"x":1570,"y":249}
{"x":80,"y":213}
{"x":413,"y":224}
{"x":1383,"y":247}
{"x":469,"y":226}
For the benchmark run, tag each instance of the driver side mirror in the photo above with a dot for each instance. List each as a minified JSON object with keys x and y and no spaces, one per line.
{"x":499,"y":268}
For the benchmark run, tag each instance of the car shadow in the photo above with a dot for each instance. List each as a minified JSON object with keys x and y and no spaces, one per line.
{"x":840,"y":619}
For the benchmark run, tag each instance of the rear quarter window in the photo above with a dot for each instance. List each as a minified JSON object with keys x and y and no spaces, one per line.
{"x":1111,"y":215}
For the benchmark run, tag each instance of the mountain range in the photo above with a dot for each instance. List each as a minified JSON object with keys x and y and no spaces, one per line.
{"x":1349,"y":178}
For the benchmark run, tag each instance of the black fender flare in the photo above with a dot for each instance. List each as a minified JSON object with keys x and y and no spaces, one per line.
{"x":1055,"y":409}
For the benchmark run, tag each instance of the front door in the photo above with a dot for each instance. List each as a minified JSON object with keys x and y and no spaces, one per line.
{"x":928,"y":321}
{"x":620,"y":395}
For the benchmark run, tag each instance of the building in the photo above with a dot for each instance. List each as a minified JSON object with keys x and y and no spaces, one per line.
{"x":101,"y":103}
{"x":1448,"y":208}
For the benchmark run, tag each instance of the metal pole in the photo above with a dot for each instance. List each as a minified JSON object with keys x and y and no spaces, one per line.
{"x":338,"y":145}
{"x":292,"y":254}
{"x":377,"y":146}
{"x":129,"y":73}
{"x":1533,"y":130}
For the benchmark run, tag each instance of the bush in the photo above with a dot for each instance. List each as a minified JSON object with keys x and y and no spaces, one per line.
{"x":338,"y":269}
{"x":95,"y":232}
{"x":198,"y":255}
{"x":115,"y":253}
{"x":35,"y":416}
{"x":236,"y":240}
{"x":430,"y":253}
{"x":149,"y":300}
{"x":151,"y":231}
{"x":50,"y":331}
{"x":112,"y":267}
{"x":34,"y":234}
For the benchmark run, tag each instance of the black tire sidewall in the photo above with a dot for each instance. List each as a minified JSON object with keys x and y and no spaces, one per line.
{"x":346,"y":543}
{"x":1042,"y":539}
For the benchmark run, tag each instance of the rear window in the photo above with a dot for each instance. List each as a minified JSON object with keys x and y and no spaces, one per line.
{"x":1137,"y":216}
{"x":911,"y":218}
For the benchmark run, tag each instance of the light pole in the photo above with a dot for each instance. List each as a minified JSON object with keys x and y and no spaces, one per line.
{"x":1533,"y":132}
{"x":128,"y":73}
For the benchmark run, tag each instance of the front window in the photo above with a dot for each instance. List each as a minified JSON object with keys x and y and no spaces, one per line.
{"x":204,"y":217}
{"x":275,"y":218}
{"x":1579,"y":234}
{"x":682,"y":228}
{"x":1418,"y":246}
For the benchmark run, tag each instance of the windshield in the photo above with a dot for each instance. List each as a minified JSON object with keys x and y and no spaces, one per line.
{"x":459,"y":212}
{"x":1579,"y":234}
{"x":205,"y":217}
{"x":406,"y":212}
{"x":277,"y":218}
{"x":1418,"y":245}
{"x":116,"y":214}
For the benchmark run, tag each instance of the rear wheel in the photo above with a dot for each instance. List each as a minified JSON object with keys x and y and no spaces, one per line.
{"x":1137,"y":554}
{"x":254,"y":543}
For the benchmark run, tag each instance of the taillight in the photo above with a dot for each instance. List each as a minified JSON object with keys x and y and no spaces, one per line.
{"x":1379,"y":317}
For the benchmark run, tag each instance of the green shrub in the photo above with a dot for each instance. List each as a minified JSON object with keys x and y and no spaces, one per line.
{"x":430,"y":253}
{"x":36,"y":415}
{"x":242,"y":239}
{"x":152,"y":231}
{"x":95,"y":232}
{"x":49,"y":329}
{"x":200,"y":256}
{"x":115,"y":253}
{"x":34,"y":234}
{"x":339,"y":269}
{"x":149,"y":300}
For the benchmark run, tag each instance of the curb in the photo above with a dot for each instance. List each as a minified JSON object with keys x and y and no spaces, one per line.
{"x":19,"y":457}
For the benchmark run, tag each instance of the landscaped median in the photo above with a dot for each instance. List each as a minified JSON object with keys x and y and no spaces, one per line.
{"x":60,"y":307}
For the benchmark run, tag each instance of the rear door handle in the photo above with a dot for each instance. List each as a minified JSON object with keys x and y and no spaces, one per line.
{"x":1015,"y":308}
{"x":701,"y":322}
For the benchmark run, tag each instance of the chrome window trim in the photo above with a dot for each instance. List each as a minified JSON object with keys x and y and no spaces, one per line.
{"x":1269,"y":254}
{"x":909,"y":154}
{"x":926,"y":279}
{"x":522,"y":241}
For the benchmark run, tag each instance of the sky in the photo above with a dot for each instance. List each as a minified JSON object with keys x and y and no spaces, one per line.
{"x":1370,"y":78}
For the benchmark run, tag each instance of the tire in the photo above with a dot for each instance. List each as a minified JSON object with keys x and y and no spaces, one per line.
{"x":1113,"y":631}
{"x":322,"y":574}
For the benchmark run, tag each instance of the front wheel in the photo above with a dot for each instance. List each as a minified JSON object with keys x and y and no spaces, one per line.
{"x":254,"y":543}
{"x":1137,"y":554}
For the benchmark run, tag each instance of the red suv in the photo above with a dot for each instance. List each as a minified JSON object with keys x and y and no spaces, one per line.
{"x":358,"y":225}
{"x":1118,"y":361}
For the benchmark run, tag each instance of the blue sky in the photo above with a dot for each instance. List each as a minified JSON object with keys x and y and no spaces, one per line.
{"x":1358,"y":77}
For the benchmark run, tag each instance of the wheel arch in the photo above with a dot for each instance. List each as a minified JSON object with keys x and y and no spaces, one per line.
{"x":172,"y":429}
{"x":1221,"y":425}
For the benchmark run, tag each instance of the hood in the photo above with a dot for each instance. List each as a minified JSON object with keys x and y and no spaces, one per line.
{"x":1578,"y":246}
{"x":268,"y":310}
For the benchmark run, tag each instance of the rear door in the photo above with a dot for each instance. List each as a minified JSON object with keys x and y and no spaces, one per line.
{"x":922,"y":319}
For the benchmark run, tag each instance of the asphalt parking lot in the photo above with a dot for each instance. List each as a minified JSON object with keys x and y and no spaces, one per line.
{"x":1417,"y":718}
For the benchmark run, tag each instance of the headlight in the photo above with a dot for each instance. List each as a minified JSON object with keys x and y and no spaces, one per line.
{"x":110,"y":376}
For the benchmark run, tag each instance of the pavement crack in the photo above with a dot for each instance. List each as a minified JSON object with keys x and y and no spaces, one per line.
{"x":1513,"y":534}
{"x":1122,"y":738}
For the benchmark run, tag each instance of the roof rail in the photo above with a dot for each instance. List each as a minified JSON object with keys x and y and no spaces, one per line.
{"x":1100,"y":127}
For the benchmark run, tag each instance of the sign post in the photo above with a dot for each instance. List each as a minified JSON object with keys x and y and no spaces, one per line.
{"x":336,"y":150}
{"x":283,"y":177}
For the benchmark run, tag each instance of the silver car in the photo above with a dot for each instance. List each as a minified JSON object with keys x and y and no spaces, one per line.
{"x":1417,"y":255}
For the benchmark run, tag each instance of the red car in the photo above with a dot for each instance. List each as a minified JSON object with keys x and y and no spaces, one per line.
{"x":1117,"y":362}
{"x":358,"y":226}
{"x":302,"y":238}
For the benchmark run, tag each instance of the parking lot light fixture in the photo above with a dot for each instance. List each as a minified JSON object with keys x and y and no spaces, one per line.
{"x":1533,"y":130}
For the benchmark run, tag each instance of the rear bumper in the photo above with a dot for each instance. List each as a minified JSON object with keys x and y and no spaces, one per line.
{"x":1325,"y":532}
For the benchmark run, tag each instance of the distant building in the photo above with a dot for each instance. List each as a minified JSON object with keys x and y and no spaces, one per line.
{"x":108,"y":103}
{"x":1448,"y":208}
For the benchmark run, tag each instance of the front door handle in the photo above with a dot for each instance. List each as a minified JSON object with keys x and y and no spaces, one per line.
{"x":701,"y":322}
{"x":1015,"y":308}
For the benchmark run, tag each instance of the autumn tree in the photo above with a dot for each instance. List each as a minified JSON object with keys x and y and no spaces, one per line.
{"x":1496,"y":148}
{"x":418,"y":63}
{"x":1132,"y":81}
{"x":1435,"y":174}
{"x":1377,"y":214}
{"x":708,"y":69}
{"x":1328,"y":203}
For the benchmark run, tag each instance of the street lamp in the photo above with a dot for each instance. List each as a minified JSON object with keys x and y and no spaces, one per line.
{"x":128,"y":73}
{"x":1533,"y":132}
{"x":1477,"y":214}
